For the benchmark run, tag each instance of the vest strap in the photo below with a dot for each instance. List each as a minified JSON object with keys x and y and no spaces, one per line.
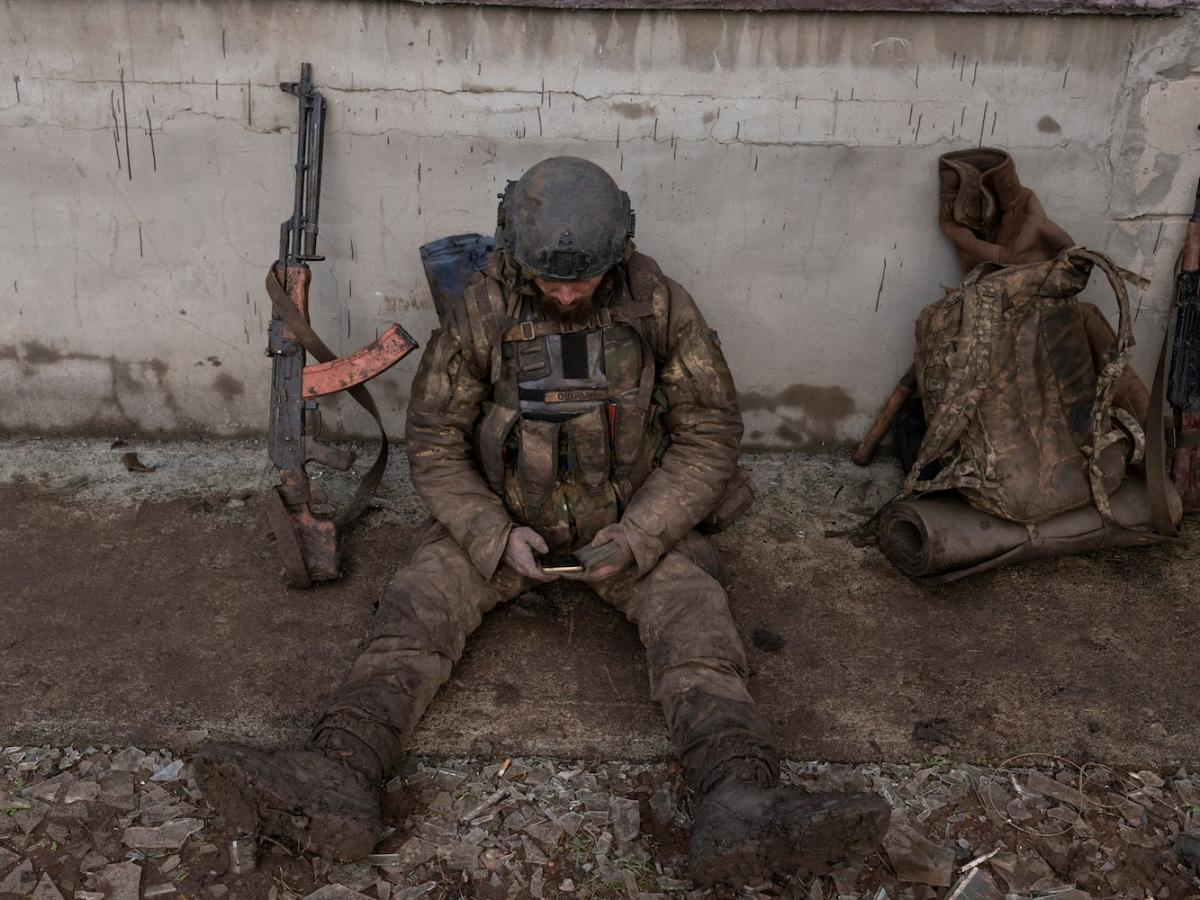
{"x":626,"y":313}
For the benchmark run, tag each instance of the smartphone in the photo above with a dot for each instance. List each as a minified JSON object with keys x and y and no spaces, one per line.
{"x":560,"y":564}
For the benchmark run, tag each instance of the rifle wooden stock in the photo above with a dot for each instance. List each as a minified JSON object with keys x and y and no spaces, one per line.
{"x":865,"y":452}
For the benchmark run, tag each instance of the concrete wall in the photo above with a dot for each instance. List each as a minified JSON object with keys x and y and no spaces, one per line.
{"x":783,"y":166}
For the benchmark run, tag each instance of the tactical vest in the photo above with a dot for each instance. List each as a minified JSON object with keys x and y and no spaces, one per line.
{"x":574,"y":424}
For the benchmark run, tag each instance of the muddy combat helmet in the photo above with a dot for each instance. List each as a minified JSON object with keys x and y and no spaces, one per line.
{"x":565,"y":219}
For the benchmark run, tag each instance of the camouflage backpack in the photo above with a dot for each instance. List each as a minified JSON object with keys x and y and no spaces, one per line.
{"x":1020,"y":420}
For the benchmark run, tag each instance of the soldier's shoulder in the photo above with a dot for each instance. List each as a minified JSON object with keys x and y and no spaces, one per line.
{"x":648,"y":283}
{"x":660,"y":295}
{"x":643,"y":263}
{"x":646,"y":270}
{"x":646,"y":276}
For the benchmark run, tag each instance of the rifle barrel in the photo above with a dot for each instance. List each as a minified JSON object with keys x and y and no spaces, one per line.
{"x":312,"y":187}
{"x":298,"y":234}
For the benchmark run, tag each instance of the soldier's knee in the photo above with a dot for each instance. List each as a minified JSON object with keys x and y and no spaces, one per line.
{"x":421,"y":617}
{"x":686,"y":625}
{"x":693,"y":600}
{"x":400,"y":664}
{"x":697,"y":657}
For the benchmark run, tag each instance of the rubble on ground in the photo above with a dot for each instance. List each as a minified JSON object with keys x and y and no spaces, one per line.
{"x":124,"y":824}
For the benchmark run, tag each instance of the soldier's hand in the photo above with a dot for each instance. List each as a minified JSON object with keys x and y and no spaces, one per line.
{"x":523,"y":543}
{"x":607,"y":555}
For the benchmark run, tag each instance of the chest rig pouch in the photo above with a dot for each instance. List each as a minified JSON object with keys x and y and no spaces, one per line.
{"x":575,"y":423}
{"x":562,"y":391}
{"x":565,"y":437}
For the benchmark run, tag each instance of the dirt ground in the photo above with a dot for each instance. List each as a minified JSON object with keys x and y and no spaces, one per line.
{"x":145,"y":608}
{"x":123,"y":824}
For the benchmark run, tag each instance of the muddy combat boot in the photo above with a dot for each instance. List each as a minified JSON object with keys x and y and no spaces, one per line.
{"x":744,"y":833}
{"x":320,"y":801}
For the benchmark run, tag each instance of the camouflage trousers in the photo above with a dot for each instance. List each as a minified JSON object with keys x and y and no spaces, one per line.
{"x":695,"y":657}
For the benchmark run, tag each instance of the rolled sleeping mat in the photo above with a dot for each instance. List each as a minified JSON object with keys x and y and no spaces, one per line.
{"x":939,"y":538}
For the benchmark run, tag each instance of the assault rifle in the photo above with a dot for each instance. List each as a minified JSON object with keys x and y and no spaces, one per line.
{"x":1183,"y":386}
{"x":306,"y":530}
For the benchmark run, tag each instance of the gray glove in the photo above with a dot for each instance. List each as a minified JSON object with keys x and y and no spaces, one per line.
{"x":523,"y":543}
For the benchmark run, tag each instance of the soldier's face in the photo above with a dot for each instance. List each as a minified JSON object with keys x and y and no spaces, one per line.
{"x":569,"y":296}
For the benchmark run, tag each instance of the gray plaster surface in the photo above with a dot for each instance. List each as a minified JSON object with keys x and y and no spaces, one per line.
{"x":782,"y":165}
{"x":145,"y":608}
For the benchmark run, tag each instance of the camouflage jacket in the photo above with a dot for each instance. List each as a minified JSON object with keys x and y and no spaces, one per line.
{"x":629,"y":416}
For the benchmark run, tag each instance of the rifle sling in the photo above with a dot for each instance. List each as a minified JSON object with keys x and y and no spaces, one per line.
{"x":312,"y":343}
{"x":1156,"y":448}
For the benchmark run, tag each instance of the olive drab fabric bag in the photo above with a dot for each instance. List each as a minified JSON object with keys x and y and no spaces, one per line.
{"x":1020,"y":420}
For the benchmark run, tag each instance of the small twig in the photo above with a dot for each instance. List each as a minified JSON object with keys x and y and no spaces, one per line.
{"x":271,"y":840}
{"x":978,"y":861}
{"x":1083,"y":799}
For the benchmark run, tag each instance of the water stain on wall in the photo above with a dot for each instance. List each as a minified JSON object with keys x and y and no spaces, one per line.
{"x":830,"y":402}
{"x":1177,"y":71}
{"x":1166,"y":165}
{"x":228,"y":387}
{"x":808,"y":414}
{"x":1048,"y":125}
{"x":126,"y":377}
{"x":633,"y":110}
{"x":395,"y":398}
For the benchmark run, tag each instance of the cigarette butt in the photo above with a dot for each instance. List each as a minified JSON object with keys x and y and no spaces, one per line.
{"x":504,"y":766}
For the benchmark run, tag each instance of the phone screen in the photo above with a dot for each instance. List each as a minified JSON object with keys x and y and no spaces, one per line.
{"x":560,"y":564}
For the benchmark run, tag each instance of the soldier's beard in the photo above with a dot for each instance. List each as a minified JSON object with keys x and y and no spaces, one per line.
{"x":574,"y":314}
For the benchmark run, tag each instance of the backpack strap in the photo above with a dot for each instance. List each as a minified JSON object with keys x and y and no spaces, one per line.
{"x":649,"y":310}
{"x":483,"y":320}
{"x":1106,"y":382}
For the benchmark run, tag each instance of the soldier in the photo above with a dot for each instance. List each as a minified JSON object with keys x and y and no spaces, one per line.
{"x":574,"y":401}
